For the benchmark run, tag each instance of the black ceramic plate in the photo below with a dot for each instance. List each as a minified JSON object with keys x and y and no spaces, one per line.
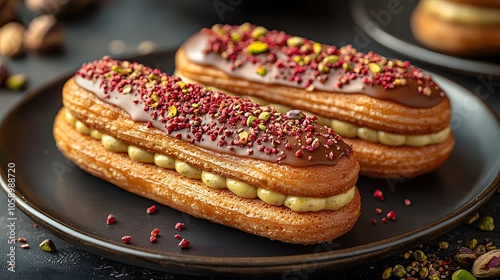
{"x":389,"y":25}
{"x":74,"y":204}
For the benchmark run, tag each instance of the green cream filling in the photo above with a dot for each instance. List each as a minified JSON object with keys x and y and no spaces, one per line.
{"x":242,"y":189}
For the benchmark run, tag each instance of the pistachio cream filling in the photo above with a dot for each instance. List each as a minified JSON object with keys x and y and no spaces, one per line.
{"x":295,"y":203}
{"x":462,"y":13}
{"x":350,"y":130}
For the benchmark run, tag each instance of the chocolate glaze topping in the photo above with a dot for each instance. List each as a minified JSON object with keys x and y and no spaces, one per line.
{"x":274,"y":57}
{"x":211,"y":119}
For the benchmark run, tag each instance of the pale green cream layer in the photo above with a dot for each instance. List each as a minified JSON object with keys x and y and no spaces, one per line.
{"x":295,"y":203}
{"x":349,"y":130}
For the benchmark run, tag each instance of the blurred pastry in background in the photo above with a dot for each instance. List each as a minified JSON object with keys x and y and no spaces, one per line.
{"x":458,"y":27}
{"x":44,"y":35}
{"x":11,"y":39}
{"x":59,"y":8}
{"x":8,"y":10}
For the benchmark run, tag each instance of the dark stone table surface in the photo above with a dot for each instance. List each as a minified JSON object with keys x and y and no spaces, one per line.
{"x":118,"y":28}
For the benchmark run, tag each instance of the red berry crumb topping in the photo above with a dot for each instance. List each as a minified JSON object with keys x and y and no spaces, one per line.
{"x":212,"y":119}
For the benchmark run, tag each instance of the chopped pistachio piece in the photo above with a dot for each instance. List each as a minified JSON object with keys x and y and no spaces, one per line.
{"x":317,"y":48}
{"x":257,"y":47}
{"x":347,"y":66}
{"x":331,"y":59}
{"x":172,"y":111}
{"x":486,"y":223}
{"x":375,"y":68}
{"x":16,"y":82}
{"x":322,"y":68}
{"x":48,"y":246}
{"x":462,"y":274}
{"x":236,"y":37}
{"x":250,"y":120}
{"x":127,"y":89}
{"x":295,"y":41}
{"x":262,"y":71}
{"x":258,"y":32}
{"x":264,"y":116}
{"x":243,"y":137}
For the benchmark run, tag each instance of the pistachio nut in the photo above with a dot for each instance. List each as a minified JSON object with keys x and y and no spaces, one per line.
{"x":419,"y":255}
{"x":487,"y":265}
{"x":48,"y":245}
{"x":257,"y":47}
{"x":444,"y":245}
{"x":399,"y":271}
{"x":261,"y":70}
{"x":331,"y":59}
{"x":471,"y":244}
{"x":347,"y":66}
{"x":387,"y":273}
{"x":323,"y":68}
{"x":264,"y":116}
{"x":433,"y":274}
{"x":58,"y":7}
{"x":423,"y":273}
{"x":11,"y":44}
{"x":462,"y":274}
{"x":465,"y":257}
{"x":236,"y":36}
{"x":375,"y":68}
{"x":317,"y":48}
{"x":258,"y":32}
{"x":486,"y":223}
{"x":16,"y":82}
{"x":44,"y":34}
{"x":295,"y":41}
{"x":479,"y":250}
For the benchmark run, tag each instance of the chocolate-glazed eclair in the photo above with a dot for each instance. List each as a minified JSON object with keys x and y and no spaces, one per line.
{"x":214,"y":156}
{"x":396,"y":116}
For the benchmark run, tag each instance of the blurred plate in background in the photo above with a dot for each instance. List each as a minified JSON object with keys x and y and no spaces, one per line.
{"x":392,"y":30}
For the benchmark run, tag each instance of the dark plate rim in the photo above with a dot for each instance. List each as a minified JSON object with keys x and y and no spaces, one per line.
{"x":189,"y":264}
{"x":474,"y":67}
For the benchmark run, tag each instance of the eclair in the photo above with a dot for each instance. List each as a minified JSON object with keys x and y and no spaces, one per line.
{"x":396,"y":116}
{"x":468,"y":28}
{"x":217,"y":157}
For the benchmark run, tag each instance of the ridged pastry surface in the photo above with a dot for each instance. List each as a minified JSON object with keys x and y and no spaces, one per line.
{"x":356,"y":108}
{"x":380,"y":161}
{"x":368,"y":95}
{"x":193,"y":197}
{"x":120,"y":116}
{"x":327,"y":180}
{"x":341,"y":83}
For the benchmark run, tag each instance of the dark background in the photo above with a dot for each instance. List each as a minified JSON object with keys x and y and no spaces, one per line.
{"x":167,"y":24}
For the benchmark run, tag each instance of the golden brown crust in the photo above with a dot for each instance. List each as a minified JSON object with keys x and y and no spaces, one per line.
{"x":192,"y":196}
{"x":381,"y":161}
{"x":359,"y":109}
{"x":454,"y":38}
{"x":286,"y":179}
{"x":376,"y":160}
